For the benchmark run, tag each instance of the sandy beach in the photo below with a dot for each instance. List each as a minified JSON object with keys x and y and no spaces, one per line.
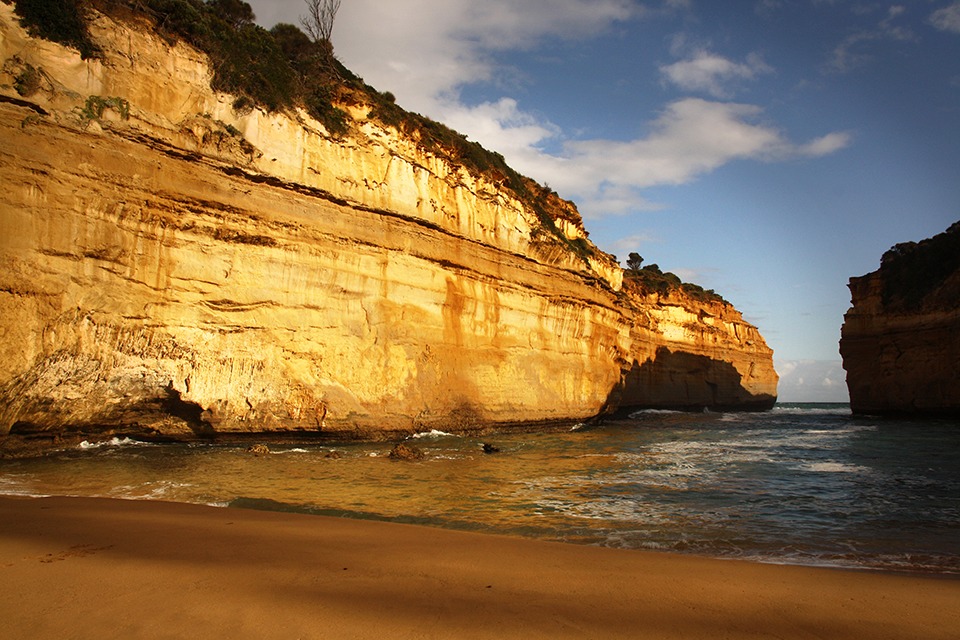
{"x":100,"y":568}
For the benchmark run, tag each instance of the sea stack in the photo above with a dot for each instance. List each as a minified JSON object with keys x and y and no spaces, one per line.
{"x":901,"y":338}
{"x":183,"y":259}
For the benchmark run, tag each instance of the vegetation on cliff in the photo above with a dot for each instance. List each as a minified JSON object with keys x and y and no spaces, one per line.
{"x":650,"y":279}
{"x":914,"y":272}
{"x":61,"y":21}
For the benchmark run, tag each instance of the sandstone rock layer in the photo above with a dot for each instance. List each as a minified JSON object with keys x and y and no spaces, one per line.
{"x":172,"y":266}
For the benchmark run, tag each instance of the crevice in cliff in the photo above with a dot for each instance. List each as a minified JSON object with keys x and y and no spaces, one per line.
{"x":24,"y":103}
{"x":239,"y":237}
{"x":190,"y":412}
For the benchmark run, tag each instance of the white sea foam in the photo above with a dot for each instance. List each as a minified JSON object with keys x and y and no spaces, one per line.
{"x":113,"y":442}
{"x":635,"y":511}
{"x":19,"y":485}
{"x":433,"y":433}
{"x":149,"y":490}
{"x":296,"y":450}
{"x":833,"y":467}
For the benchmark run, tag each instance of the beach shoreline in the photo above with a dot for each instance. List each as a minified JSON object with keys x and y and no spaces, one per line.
{"x":102,"y":568}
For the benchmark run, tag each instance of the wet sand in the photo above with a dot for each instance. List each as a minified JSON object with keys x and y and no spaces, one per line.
{"x":100,"y":568}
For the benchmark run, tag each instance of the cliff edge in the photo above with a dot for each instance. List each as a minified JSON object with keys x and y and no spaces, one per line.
{"x":900,"y":340}
{"x":177,"y":262}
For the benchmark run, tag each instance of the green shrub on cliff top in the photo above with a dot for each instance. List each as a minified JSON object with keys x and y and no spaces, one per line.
{"x":650,"y":279}
{"x":59,"y":21}
{"x":912,"y":271}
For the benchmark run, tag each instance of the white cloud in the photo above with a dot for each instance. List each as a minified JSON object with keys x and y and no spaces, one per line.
{"x":855,"y":51}
{"x":947,"y":18}
{"x":691,"y":137}
{"x":497,"y":125}
{"x":811,"y":381}
{"x":713,"y":74}
{"x":614,"y":200}
{"x":826,"y":145}
{"x":702,"y":276}
{"x":424,"y":49}
{"x":631,"y":243}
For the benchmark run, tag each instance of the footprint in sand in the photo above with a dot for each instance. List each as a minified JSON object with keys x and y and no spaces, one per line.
{"x":76,"y":551}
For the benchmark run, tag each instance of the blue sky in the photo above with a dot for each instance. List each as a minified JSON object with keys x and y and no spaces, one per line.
{"x":767,"y":149}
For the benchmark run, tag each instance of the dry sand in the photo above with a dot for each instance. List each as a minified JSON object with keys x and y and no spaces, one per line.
{"x":98,"y":568}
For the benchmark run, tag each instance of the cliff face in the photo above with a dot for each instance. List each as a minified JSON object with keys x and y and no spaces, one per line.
{"x":901,"y":338}
{"x":174,"y":266}
{"x":687,"y":353}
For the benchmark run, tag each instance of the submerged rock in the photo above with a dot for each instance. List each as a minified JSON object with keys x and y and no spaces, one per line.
{"x":258,"y":449}
{"x":490,"y":448}
{"x":405,"y":451}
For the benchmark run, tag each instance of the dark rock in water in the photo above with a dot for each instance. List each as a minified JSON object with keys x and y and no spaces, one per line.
{"x":490,"y":448}
{"x":406,"y":452}
{"x":334,"y":455}
{"x":258,"y":449}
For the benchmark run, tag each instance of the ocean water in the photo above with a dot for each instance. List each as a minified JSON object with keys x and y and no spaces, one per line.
{"x":801,"y":484}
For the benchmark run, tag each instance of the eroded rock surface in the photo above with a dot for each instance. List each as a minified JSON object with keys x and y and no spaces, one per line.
{"x":175,"y":267}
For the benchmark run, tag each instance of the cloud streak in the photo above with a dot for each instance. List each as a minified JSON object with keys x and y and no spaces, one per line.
{"x":855,"y":51}
{"x":947,"y":18}
{"x":713,"y":74}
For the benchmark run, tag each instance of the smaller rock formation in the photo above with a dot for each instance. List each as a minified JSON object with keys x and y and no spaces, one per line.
{"x":258,"y":449}
{"x":406,"y":452}
{"x":901,"y":338}
{"x":490,"y":448}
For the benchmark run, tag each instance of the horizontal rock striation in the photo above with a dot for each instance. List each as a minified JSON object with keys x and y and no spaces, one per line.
{"x":176,"y":268}
{"x":901,"y":338}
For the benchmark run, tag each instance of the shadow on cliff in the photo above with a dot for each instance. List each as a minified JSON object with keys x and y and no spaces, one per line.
{"x":152,"y":415}
{"x":689,"y":382}
{"x":190,"y":413}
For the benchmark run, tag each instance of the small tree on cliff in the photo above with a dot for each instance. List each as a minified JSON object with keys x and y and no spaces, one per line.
{"x":634,"y":262}
{"x":319,"y":19}
{"x":237,"y":12}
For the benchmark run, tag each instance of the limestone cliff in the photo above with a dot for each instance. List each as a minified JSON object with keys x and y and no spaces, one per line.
{"x":901,"y":338}
{"x":688,"y":353}
{"x":175,"y":265}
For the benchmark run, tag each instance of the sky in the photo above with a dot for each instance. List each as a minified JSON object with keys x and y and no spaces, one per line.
{"x":766,"y":149}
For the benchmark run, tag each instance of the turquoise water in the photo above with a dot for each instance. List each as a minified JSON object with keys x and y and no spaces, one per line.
{"x":802,"y":484}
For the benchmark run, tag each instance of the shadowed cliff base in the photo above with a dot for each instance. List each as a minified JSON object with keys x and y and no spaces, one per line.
{"x":688,"y":382}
